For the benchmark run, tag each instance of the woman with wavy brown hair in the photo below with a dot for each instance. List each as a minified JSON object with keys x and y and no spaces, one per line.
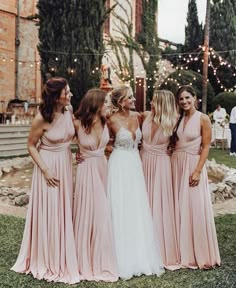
{"x":48,"y":248}
{"x":91,"y":212}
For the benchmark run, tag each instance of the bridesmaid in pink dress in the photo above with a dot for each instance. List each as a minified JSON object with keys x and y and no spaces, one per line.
{"x":157,"y":128}
{"x":91,"y":213}
{"x":195,"y":225}
{"x":48,"y":248}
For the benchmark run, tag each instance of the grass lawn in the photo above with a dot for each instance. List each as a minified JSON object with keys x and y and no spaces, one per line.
{"x":222,"y":157}
{"x":11,"y":229}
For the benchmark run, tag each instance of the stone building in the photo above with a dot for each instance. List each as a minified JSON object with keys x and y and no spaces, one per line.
{"x":19,"y":60}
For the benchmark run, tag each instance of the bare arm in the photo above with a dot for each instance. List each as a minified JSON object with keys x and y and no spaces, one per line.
{"x":36,"y":131}
{"x":205,"y":145}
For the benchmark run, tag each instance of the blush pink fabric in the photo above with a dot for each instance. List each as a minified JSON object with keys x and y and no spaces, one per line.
{"x":48,"y":249}
{"x":194,"y":217}
{"x":157,"y":172}
{"x":91,"y":213}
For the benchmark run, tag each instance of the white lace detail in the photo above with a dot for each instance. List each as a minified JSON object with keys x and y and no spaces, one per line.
{"x":124,"y":140}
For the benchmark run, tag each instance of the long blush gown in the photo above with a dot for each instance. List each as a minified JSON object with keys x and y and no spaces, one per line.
{"x":135,"y":245}
{"x":157,"y":173}
{"x":48,"y":248}
{"x":91,"y":212}
{"x":196,"y":233}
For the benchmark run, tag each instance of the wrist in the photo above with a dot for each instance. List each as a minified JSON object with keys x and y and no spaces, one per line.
{"x":44,"y":171}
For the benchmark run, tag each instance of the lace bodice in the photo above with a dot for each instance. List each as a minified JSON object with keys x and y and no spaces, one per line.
{"x":124,"y":139}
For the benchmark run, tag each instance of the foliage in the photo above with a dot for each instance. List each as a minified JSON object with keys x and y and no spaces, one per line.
{"x":193,"y":30}
{"x":145,"y":44}
{"x":185,"y":78}
{"x":149,"y":40}
{"x":227,"y":100}
{"x":71,"y":41}
{"x":223,"y":28}
{"x":11,"y":230}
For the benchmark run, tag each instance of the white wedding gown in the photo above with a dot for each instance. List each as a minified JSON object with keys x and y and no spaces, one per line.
{"x":136,"y":249}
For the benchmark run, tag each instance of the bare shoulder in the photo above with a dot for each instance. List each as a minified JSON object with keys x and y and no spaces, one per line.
{"x":205,"y":120}
{"x":145,"y":114}
{"x":39,"y":121}
{"x":76,"y":123}
{"x":113,"y":118}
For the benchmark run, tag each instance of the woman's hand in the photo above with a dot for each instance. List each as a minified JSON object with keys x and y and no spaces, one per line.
{"x":194,"y":179}
{"x":50,"y":179}
{"x":78,"y":157}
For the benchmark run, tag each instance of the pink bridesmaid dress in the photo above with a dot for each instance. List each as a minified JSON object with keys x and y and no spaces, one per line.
{"x":157,"y":173}
{"x":196,"y":233}
{"x":91,"y":213}
{"x":48,"y":248}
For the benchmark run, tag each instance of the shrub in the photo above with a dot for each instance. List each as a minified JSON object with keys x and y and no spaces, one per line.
{"x":226,"y":100}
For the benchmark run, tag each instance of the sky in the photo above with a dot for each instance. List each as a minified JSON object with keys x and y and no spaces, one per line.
{"x":172,"y":15}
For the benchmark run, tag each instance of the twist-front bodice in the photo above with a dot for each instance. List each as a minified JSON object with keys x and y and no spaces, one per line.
{"x":124,"y":139}
{"x":58,"y":137}
{"x":88,"y":143}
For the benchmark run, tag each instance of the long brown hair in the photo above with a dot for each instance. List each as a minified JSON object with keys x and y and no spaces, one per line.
{"x":51,"y":93}
{"x":174,"y":137}
{"x":90,"y":105}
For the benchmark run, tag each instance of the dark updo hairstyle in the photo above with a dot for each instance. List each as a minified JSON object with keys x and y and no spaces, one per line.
{"x":174,"y":137}
{"x":89,"y":107}
{"x":50,"y":94}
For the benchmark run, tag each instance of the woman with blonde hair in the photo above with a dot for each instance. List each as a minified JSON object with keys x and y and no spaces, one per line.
{"x":91,"y":211}
{"x":135,"y":245}
{"x":157,"y":128}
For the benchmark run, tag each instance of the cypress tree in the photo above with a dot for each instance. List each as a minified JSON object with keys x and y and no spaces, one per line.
{"x":71,"y":41}
{"x":223,"y":28}
{"x":148,"y":38}
{"x":193,"y":30}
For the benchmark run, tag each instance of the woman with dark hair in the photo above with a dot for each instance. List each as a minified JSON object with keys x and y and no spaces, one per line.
{"x":157,"y":127}
{"x":196,"y":233}
{"x":135,"y":245}
{"x":91,"y":212}
{"x":48,"y":247}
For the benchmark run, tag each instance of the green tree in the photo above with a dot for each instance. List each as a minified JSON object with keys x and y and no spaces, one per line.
{"x":71,"y":41}
{"x":149,"y":40}
{"x":223,"y":28}
{"x":193,"y":30}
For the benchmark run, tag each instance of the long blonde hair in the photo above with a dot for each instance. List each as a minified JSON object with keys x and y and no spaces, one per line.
{"x":164,"y":110}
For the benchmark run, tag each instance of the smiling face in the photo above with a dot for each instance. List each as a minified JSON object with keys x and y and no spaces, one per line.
{"x":186,"y":101}
{"x":65,"y":97}
{"x":129,"y":101}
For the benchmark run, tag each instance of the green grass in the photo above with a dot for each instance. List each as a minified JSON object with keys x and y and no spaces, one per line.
{"x":222,"y":157}
{"x":11,"y":229}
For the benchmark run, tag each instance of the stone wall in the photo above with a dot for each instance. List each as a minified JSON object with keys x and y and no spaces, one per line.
{"x":7,"y":51}
{"x":29,"y":79}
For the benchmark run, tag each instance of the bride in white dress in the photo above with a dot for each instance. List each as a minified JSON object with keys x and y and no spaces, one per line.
{"x":136,"y":249}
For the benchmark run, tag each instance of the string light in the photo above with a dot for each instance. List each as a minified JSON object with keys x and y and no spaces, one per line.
{"x":186,"y":58}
